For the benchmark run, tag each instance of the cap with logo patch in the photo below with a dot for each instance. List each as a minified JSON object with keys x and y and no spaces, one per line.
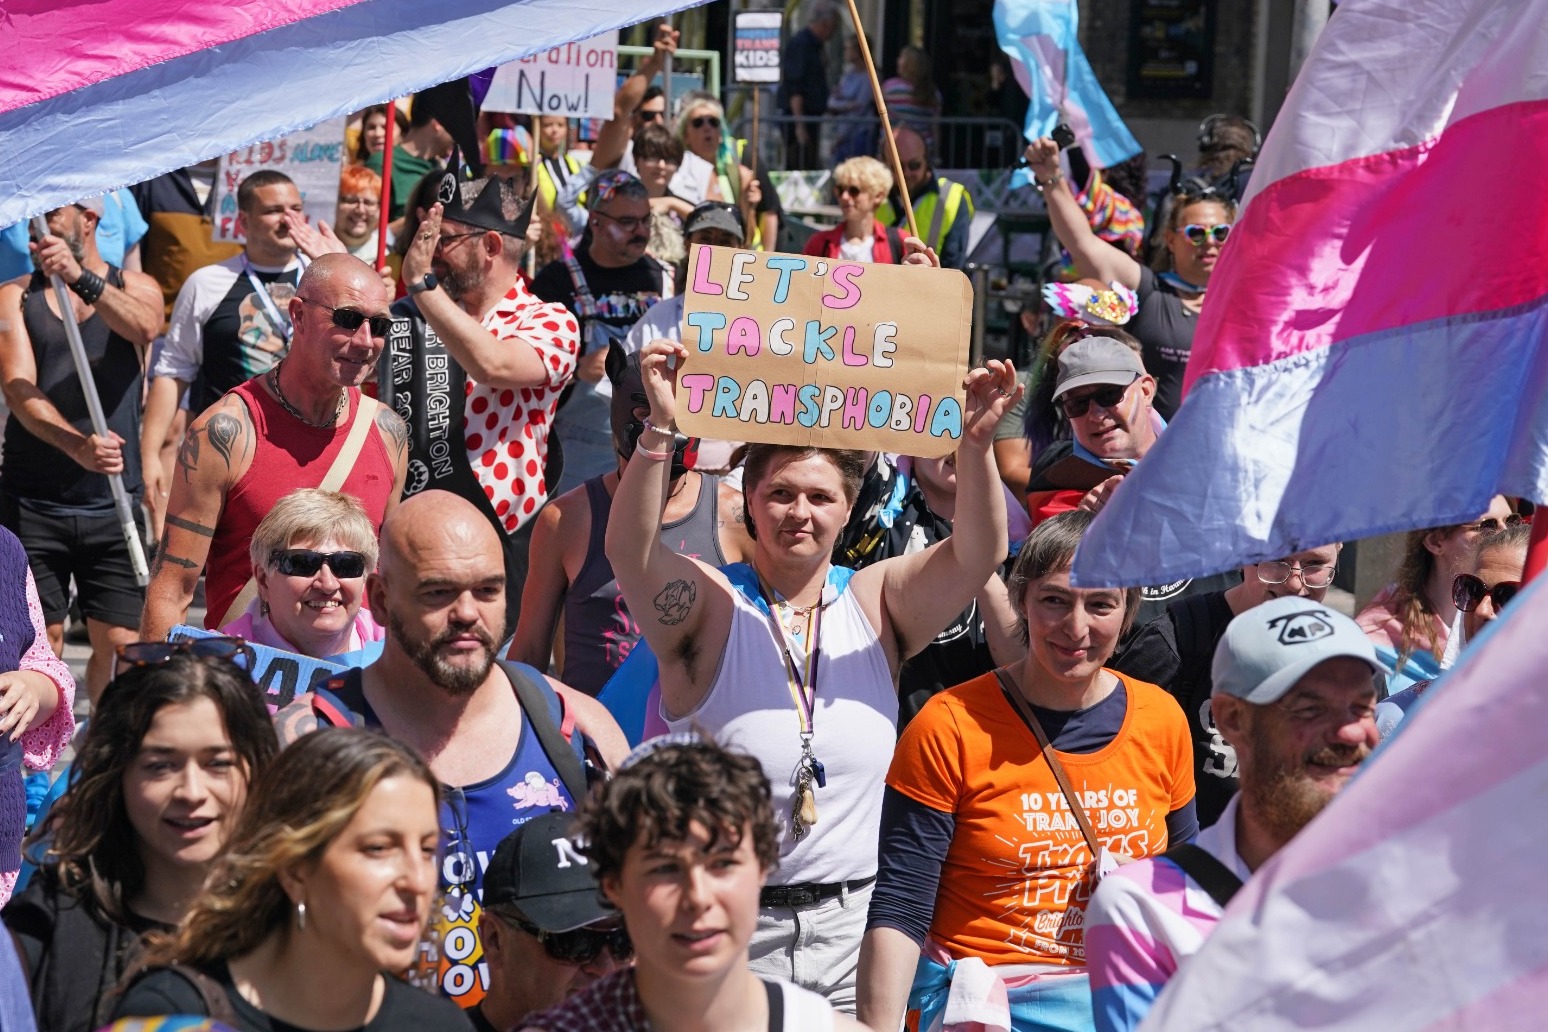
{"x":540,"y":870}
{"x":1267,"y":649}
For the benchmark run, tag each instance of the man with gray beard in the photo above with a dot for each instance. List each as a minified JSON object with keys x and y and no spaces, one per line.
{"x":507,"y":743}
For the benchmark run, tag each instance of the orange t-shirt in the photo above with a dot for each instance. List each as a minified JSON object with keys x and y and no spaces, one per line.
{"x":1016,"y":879}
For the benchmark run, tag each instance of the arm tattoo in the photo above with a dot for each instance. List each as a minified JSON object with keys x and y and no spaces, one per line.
{"x":295,"y":720}
{"x":197,"y":528}
{"x":223,"y":431}
{"x":188,"y":454}
{"x":393,"y":428}
{"x":163,"y":556}
{"x":675,"y":602}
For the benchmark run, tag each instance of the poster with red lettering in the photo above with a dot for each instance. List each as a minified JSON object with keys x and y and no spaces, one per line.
{"x":794,"y":349}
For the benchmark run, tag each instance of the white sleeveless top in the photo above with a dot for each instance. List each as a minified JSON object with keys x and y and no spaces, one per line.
{"x":805,"y":1011}
{"x":749,"y":708}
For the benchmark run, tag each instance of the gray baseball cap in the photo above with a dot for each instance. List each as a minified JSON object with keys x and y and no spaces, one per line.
{"x":1097,"y":360}
{"x":713,"y":215}
{"x":1267,"y":649}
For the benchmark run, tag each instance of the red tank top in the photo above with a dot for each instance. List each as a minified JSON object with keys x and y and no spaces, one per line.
{"x":289,"y":455}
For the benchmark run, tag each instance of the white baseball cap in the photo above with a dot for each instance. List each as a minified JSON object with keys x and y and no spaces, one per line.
{"x":1267,"y":649}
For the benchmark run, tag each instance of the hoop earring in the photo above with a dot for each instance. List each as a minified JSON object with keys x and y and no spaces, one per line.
{"x":301,"y":916}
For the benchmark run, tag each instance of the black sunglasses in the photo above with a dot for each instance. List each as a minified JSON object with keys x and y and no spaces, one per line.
{"x":154,"y":653}
{"x":1468,"y":591}
{"x":1107,"y":397}
{"x":579,"y":946}
{"x":349,"y":320}
{"x":1489,"y":524}
{"x":304,"y":562}
{"x":705,"y":120}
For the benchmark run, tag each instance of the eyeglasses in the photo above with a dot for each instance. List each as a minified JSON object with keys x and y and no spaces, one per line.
{"x":577,"y":947}
{"x":349,"y":320}
{"x":451,"y":238}
{"x":1199,"y":235}
{"x":304,"y":562}
{"x":348,"y":201}
{"x":1313,"y":575}
{"x":1107,"y":396}
{"x":1468,"y":591}
{"x":1489,"y":524}
{"x":702,"y":121}
{"x":629,"y":223}
{"x":154,"y":653}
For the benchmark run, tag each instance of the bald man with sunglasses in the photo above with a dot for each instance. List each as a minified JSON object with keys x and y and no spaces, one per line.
{"x":303,"y":423}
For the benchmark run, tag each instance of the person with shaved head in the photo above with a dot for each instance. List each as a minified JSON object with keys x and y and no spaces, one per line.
{"x":507,"y":743}
{"x":303,"y":423}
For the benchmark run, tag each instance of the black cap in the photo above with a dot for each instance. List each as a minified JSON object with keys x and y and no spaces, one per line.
{"x":714,"y":215}
{"x":540,"y":870}
{"x":492,"y":203}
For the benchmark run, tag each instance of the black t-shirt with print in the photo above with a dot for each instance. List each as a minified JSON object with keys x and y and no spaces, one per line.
{"x":1164,"y":328}
{"x":622,"y":295}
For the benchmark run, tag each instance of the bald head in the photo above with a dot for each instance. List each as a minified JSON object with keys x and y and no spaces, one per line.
{"x":329,"y":274}
{"x":432,"y":527}
{"x":912,"y":155}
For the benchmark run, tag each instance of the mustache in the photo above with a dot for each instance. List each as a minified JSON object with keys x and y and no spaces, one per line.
{"x":445,"y":637}
{"x":1340,"y":756}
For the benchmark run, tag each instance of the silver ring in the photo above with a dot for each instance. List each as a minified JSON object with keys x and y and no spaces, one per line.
{"x":1001,"y":392}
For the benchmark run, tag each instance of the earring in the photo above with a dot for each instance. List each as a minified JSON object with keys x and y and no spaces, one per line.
{"x":301,"y":916}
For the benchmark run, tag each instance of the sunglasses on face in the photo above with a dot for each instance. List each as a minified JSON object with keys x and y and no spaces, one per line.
{"x":577,"y":947}
{"x":703,"y":121}
{"x":1108,"y":396}
{"x":1314,"y":575}
{"x":1468,"y":591}
{"x":1199,"y":235}
{"x":304,"y":562}
{"x":651,"y":116}
{"x":349,"y":320}
{"x":1489,"y":524}
{"x":913,"y":166}
{"x":154,"y":653}
{"x":848,"y":191}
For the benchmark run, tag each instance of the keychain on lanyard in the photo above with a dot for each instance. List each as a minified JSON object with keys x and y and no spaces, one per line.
{"x":809,"y":770}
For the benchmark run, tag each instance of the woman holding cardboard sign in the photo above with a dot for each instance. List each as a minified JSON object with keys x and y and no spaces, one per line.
{"x":796,"y":661}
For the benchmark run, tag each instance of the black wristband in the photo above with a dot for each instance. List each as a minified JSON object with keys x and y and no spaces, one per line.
{"x":89,"y":287}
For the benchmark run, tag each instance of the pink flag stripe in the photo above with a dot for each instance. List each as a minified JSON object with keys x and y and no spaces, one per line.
{"x":1344,"y":250}
{"x":53,"y":47}
{"x":1515,"y":1006}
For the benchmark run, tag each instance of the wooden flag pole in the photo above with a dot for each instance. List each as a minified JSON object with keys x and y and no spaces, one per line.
{"x":757,"y":90}
{"x":381,"y":226}
{"x":881,"y":108}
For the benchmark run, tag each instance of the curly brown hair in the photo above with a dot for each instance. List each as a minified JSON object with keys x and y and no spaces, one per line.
{"x":656,"y":798}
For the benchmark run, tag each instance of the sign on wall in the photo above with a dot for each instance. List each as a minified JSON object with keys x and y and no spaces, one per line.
{"x":755,"y":47}
{"x":312,"y":158}
{"x":575,"y":80}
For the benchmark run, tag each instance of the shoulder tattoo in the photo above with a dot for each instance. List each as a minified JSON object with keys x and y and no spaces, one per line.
{"x":392,"y":427}
{"x":224,"y":433}
{"x":675,"y":601}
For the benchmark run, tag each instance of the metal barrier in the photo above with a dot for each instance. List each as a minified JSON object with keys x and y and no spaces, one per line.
{"x":958,"y":142}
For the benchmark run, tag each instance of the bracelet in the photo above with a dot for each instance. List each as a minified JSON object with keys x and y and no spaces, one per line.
{"x":1043,"y":184}
{"x":653,"y":428}
{"x":89,"y":287}
{"x":651,"y":453}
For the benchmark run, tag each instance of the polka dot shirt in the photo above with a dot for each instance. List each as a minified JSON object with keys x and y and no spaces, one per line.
{"x":506,"y":429}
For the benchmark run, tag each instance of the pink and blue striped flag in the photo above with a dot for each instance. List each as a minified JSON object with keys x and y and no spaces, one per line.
{"x":1370,"y":357}
{"x":1415,"y":900}
{"x":98,"y":94}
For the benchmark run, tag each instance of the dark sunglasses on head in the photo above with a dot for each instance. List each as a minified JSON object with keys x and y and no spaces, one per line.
{"x":349,"y":320}
{"x":304,"y":562}
{"x":1468,"y":591}
{"x":1198,"y":235}
{"x":1106,"y":396}
{"x":579,"y":946}
{"x":705,"y":120}
{"x":154,"y":653}
{"x":1489,"y":524}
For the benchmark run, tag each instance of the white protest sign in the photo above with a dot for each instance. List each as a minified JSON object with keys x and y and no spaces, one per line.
{"x":575,"y":80}
{"x":755,"y":49}
{"x":312,"y":158}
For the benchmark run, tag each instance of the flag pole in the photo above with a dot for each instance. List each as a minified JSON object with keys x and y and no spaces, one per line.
{"x":881,"y":109}
{"x":1537,"y":547}
{"x":381,"y":225}
{"x":99,"y":425}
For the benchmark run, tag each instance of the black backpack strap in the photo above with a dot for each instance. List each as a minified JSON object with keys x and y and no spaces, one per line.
{"x":1213,"y":876}
{"x":544,"y":712}
{"x":776,"y":1006}
{"x":895,"y":243}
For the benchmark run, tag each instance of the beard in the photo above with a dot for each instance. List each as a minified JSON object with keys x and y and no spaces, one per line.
{"x":460,"y":283}
{"x":453,"y":679}
{"x":1287,"y":798}
{"x":74,"y":241}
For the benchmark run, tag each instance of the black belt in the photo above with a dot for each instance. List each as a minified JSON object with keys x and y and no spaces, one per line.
{"x":807,"y":893}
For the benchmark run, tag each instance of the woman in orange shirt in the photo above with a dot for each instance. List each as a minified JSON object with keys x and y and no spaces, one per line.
{"x":986,"y":861}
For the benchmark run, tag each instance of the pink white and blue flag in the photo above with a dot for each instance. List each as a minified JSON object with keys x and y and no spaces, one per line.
{"x":1415,"y":900}
{"x":98,"y":94}
{"x":1041,"y":37}
{"x":1370,"y":357}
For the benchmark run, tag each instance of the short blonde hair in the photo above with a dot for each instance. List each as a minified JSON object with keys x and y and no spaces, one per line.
{"x":868,"y":174}
{"x":695,"y":103}
{"x":309,"y":514}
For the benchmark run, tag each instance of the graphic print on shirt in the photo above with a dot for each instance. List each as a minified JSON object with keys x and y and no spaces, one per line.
{"x":1221,"y":759}
{"x":532,"y":790}
{"x":1046,"y":914}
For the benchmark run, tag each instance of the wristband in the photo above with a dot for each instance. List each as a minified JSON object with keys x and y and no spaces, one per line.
{"x":1043,"y":184}
{"x":89,"y":287}
{"x":651,"y":453}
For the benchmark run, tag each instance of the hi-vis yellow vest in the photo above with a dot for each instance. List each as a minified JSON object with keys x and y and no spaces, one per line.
{"x":935,"y":212}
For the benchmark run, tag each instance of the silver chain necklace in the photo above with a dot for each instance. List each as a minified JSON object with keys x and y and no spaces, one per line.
{"x":274,"y":382}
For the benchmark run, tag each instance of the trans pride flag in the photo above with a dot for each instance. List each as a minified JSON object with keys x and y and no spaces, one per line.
{"x":98,"y":94}
{"x":1415,"y":900}
{"x":1370,"y":357}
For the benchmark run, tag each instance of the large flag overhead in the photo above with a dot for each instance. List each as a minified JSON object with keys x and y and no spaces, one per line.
{"x":1414,"y":901}
{"x":98,"y":94}
{"x":1041,"y":38}
{"x":1370,"y":357}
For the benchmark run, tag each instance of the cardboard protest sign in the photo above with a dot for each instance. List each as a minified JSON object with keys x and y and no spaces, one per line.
{"x":312,"y":158}
{"x":280,"y":675}
{"x":792,"y":349}
{"x":755,"y":47}
{"x":575,"y":80}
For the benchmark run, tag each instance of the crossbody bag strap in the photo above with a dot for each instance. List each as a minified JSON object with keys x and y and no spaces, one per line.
{"x":1024,"y":708}
{"x":343,"y":465}
{"x":1214,"y":877}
